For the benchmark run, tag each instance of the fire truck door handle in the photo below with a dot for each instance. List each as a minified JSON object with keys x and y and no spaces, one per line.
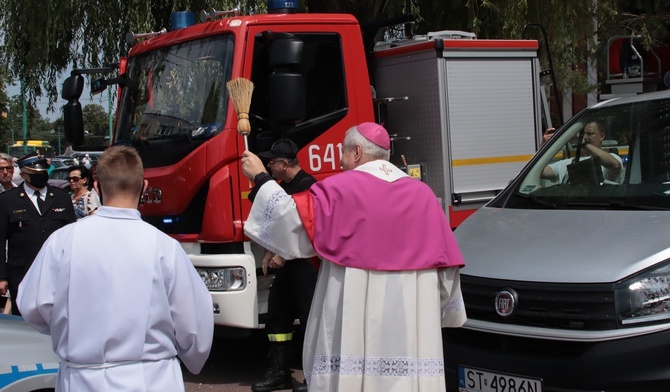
{"x":395,"y":137}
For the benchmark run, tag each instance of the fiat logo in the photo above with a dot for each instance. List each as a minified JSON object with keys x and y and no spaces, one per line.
{"x":505,"y":302}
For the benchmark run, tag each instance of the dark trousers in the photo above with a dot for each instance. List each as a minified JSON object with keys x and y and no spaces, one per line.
{"x":290,"y":296}
{"x":15,"y":275}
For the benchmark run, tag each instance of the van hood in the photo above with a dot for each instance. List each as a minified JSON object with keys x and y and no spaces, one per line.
{"x":562,"y":246}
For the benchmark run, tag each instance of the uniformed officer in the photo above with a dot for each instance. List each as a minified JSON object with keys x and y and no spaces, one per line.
{"x":29,"y":214}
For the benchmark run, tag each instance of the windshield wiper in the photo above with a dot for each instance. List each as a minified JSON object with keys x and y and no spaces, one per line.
{"x":616,"y":205}
{"x":535,"y":200}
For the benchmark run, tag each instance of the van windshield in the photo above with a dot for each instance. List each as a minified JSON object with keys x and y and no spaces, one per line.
{"x":609,"y":157}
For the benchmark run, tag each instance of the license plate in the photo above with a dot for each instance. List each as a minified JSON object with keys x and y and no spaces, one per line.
{"x":478,"y":380}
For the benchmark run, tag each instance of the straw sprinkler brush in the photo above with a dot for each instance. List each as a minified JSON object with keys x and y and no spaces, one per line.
{"x":240,"y":90}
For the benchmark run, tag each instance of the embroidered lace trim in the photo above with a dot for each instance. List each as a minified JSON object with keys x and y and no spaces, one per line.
{"x":397,"y":366}
{"x":454,"y":305}
{"x":269,"y":212}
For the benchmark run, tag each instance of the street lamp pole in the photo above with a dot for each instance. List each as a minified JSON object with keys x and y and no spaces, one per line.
{"x":54,"y":131}
{"x":25,"y":119}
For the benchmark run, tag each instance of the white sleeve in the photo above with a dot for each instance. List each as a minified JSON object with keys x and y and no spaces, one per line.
{"x":37,"y":290}
{"x":561,"y":169}
{"x":616,"y":176}
{"x":451,"y":298}
{"x":274,"y":223}
{"x":192,"y":312}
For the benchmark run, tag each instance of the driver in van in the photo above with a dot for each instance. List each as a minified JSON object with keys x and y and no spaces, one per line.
{"x":594,"y":134}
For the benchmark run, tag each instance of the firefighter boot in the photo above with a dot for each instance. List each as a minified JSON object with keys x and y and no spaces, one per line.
{"x":302,"y":387}
{"x":278,"y":375}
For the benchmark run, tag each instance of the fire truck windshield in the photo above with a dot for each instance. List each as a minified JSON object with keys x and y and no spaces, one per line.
{"x":176,"y":99}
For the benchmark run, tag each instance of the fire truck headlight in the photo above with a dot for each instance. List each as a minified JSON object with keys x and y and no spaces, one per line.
{"x":224,"y":279}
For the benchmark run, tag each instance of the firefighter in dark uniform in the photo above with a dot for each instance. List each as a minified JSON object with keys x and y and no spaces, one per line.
{"x":294,"y":282}
{"x":29,"y":213}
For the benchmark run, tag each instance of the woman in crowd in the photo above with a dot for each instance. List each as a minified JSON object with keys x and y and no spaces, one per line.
{"x":84,"y":201}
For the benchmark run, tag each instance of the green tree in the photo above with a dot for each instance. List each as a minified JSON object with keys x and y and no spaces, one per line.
{"x":41,"y":128}
{"x":57,"y":138}
{"x":42,"y":38}
{"x":5,"y":130}
{"x":96,"y":127}
{"x":577,"y":30}
{"x":35,"y":122}
{"x":96,"y":120}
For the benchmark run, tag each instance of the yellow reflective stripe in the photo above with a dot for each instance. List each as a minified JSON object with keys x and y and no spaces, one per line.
{"x":280,"y":337}
{"x":491,"y":160}
{"x":245,"y":195}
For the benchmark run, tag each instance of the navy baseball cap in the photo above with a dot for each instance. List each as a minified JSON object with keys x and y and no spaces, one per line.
{"x":282,"y":148}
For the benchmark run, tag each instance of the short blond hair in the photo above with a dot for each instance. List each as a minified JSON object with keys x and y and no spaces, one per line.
{"x":120,"y":172}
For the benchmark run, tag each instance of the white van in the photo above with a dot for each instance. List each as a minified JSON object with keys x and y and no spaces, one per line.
{"x":567,"y":276}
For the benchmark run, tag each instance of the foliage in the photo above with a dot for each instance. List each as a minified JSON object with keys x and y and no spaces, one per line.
{"x":96,"y":120}
{"x":41,"y":39}
{"x":34,"y":121}
{"x":4,"y":121}
{"x":57,"y":139}
{"x":92,"y":142}
{"x":577,"y":30}
{"x":442,"y":15}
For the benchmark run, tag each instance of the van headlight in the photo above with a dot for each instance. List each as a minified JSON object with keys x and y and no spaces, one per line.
{"x":644,"y":298}
{"x":224,"y":279}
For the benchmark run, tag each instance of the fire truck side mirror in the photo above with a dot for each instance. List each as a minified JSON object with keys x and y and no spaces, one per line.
{"x":73,"y":118}
{"x":98,"y":86}
{"x":73,"y":123}
{"x":73,"y":87}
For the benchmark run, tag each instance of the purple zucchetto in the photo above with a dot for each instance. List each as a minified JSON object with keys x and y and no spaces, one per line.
{"x":375,"y":133}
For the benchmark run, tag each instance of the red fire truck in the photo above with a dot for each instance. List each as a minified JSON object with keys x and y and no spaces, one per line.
{"x":465,"y":115}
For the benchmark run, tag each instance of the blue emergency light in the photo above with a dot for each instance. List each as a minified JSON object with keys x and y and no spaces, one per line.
{"x":181,"y":19}
{"x":282,"y":6}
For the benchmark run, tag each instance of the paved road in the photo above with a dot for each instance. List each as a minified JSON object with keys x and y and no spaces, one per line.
{"x":234,"y":364}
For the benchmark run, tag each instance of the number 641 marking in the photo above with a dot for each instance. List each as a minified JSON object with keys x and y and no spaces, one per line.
{"x":319,"y":159}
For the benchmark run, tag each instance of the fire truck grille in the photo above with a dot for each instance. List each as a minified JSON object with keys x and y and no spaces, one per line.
{"x":588,"y":307}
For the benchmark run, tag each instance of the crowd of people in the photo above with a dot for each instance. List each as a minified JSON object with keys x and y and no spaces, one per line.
{"x":371,"y":300}
{"x":84,"y":198}
{"x":29,"y":213}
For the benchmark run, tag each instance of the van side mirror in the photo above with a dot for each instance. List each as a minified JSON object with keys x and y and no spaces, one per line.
{"x":73,"y":118}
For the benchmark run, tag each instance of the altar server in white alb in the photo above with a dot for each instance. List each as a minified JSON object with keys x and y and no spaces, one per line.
{"x":389,"y":278}
{"x":121,"y":300}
